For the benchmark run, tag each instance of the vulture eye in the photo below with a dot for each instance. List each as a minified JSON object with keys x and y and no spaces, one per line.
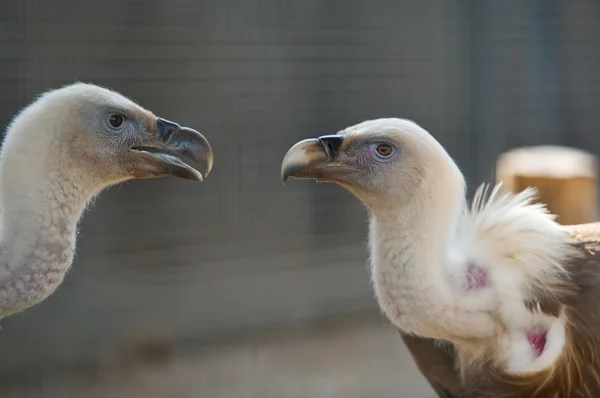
{"x":116,"y":121}
{"x":384,"y":150}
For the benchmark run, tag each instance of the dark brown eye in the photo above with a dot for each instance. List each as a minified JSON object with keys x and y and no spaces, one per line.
{"x":385,"y":150}
{"x":116,"y":121}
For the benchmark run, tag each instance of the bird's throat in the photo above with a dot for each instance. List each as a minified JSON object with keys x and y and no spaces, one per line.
{"x":409,"y":252}
{"x":38,"y":240}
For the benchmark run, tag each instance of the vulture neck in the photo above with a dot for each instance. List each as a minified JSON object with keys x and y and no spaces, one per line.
{"x":42,"y":200}
{"x":412,"y":241}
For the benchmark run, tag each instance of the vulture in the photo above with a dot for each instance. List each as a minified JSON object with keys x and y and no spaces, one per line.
{"x":493,"y":298}
{"x":60,"y":152}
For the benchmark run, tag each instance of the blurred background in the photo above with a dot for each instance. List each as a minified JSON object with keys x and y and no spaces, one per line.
{"x":240,"y":287}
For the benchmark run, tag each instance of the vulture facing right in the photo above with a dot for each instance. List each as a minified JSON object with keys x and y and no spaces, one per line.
{"x":494,"y":299}
{"x":58,"y":154}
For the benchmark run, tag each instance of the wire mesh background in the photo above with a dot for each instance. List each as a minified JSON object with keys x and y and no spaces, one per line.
{"x":176,"y":261}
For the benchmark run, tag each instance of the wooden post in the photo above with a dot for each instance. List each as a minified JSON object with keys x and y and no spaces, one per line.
{"x":566,"y":179}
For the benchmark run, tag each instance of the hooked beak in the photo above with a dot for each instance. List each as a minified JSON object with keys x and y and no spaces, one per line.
{"x":171,"y":151}
{"x":314,"y":158}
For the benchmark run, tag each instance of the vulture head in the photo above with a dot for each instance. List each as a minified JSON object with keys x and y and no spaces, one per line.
{"x":384,"y":162}
{"x":102,"y":137}
{"x":58,"y":153}
{"x":494,"y":278}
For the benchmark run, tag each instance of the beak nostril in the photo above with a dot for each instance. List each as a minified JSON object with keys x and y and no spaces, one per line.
{"x":329,"y":148}
{"x":165,"y":129}
{"x":332,"y":145}
{"x":168,"y":135}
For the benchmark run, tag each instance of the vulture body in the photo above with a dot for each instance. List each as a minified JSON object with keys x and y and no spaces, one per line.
{"x":60,"y":152}
{"x":493,"y":299}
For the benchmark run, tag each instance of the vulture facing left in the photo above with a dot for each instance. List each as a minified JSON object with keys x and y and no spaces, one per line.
{"x":59,"y":153}
{"x":493,"y":299}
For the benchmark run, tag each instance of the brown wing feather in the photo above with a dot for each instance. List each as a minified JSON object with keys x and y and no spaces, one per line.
{"x":437,"y":364}
{"x":576,"y":374}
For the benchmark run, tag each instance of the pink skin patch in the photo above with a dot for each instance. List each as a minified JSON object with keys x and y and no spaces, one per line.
{"x":476,"y":277}
{"x":365,"y":157}
{"x":537,"y":341}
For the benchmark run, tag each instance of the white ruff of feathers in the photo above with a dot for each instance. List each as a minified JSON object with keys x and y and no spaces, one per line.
{"x":517,"y":243}
{"x":524,"y":250}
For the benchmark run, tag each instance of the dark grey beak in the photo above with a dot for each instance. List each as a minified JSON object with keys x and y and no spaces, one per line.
{"x":178,"y":151}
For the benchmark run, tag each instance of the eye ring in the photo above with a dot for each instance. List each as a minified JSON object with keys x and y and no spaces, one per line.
{"x":116,"y":121}
{"x":384,"y":151}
